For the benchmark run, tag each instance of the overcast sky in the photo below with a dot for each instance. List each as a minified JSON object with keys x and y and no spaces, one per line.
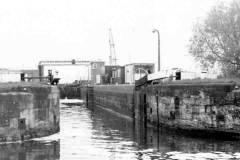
{"x":32,"y":30}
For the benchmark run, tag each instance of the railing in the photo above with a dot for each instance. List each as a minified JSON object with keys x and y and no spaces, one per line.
{"x":44,"y":79}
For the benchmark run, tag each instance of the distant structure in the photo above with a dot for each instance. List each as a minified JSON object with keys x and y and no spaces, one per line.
{"x":112,"y":57}
{"x":68,"y":70}
{"x":10,"y":75}
{"x":73,"y":71}
{"x":172,"y":74}
{"x":97,"y":72}
{"x":135,"y":71}
{"x":30,"y":75}
{"x":7,"y":75}
{"x":114,"y":75}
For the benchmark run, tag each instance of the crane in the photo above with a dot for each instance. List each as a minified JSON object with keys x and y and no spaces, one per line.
{"x":112,"y":57}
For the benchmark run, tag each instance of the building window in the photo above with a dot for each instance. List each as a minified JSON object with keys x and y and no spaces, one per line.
{"x":118,"y":73}
{"x":94,"y":66}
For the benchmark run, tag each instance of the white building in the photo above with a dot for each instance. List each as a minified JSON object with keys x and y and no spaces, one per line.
{"x":72,"y":71}
{"x":135,"y":71}
{"x":167,"y":74}
{"x":7,"y":75}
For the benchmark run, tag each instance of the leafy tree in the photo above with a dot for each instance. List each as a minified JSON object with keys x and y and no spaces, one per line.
{"x":216,"y":41}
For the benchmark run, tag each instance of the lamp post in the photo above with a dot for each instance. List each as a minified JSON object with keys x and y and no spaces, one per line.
{"x":157,"y":98}
{"x":157,"y":31}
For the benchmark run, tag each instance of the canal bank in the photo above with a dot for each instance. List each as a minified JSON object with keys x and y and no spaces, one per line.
{"x":97,"y":134}
{"x":28,"y":110}
{"x":200,"y":107}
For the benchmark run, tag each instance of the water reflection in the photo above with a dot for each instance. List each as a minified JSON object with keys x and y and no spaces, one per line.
{"x":97,"y":134}
{"x":162,"y":144}
{"x":30,"y":150}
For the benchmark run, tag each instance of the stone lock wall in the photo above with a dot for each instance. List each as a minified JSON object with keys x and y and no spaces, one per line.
{"x":28,"y":111}
{"x":119,"y":98}
{"x":212,"y":106}
{"x":195,"y":105}
{"x":70,"y":91}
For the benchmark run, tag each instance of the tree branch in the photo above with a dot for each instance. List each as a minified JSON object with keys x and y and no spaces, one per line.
{"x":214,"y":52}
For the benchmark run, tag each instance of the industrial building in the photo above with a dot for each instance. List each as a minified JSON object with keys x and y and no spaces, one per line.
{"x":7,"y":75}
{"x":11,"y":75}
{"x":30,"y":75}
{"x":97,"y":72}
{"x":73,"y":71}
{"x":118,"y":76}
{"x":114,"y":75}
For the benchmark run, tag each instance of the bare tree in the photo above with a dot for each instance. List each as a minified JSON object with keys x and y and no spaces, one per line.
{"x":217,"y":39}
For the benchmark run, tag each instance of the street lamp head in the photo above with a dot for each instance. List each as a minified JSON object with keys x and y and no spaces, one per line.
{"x":154,"y":30}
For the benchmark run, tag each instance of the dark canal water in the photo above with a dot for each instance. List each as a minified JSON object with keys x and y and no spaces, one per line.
{"x":96,"y":134}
